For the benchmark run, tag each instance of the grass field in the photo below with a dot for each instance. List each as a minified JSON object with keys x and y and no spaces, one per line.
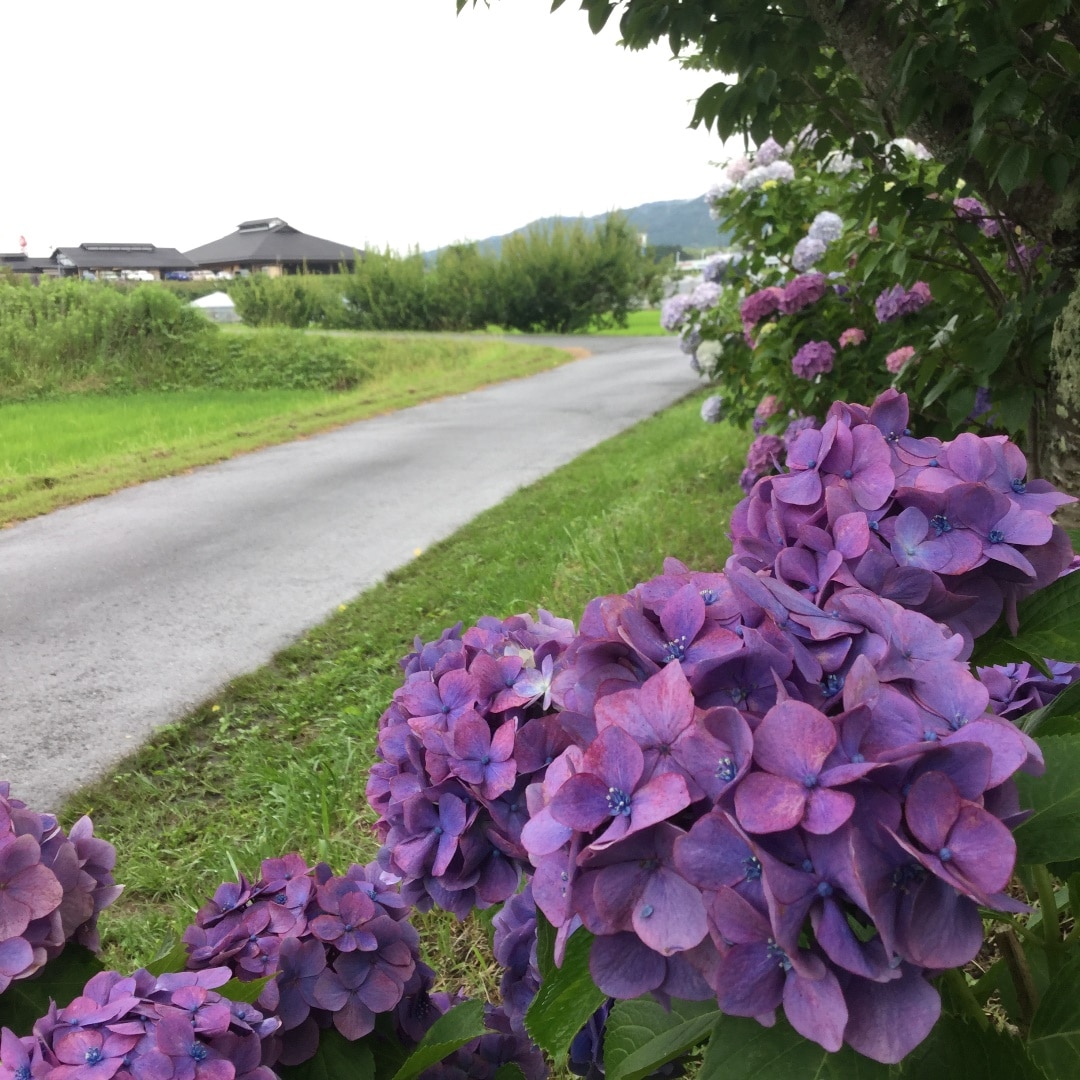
{"x":278,"y":761}
{"x":66,"y":449}
{"x":644,"y":323}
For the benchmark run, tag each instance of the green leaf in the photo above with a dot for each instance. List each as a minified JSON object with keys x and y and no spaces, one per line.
{"x":1057,"y":718}
{"x":1049,"y":626}
{"x":641,"y":1035}
{"x":27,"y":1000}
{"x":236,"y":990}
{"x":335,"y":1058}
{"x":1010,"y":174}
{"x":1054,"y":1039}
{"x":510,"y":1071}
{"x":460,"y":1025}
{"x":1052,"y":833}
{"x":957,"y":1048}
{"x":1056,"y":172}
{"x":567,"y":996}
{"x":741,"y":1049}
{"x":172,"y":956}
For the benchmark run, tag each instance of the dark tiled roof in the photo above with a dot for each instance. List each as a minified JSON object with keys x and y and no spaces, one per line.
{"x":25,"y":264}
{"x":268,"y":241}
{"x":122,"y":257}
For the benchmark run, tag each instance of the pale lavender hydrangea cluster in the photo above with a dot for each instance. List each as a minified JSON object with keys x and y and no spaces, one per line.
{"x":144,"y":1027}
{"x":825,"y":229}
{"x":52,"y":887}
{"x":464,"y":735}
{"x":745,"y":175}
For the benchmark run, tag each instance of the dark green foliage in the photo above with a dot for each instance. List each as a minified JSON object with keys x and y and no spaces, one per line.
{"x":565,"y":278}
{"x":276,"y":301}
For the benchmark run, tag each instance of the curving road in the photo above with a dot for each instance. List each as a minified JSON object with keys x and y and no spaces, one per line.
{"x":121,"y":614}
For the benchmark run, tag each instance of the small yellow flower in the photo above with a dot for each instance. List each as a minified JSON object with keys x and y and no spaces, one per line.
{"x":766,"y":329}
{"x":890,"y":185}
{"x":961,"y":184}
{"x":769,"y":185}
{"x":215,"y":708}
{"x":418,"y":551}
{"x":341,"y":607}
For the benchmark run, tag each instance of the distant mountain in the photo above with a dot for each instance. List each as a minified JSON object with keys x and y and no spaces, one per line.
{"x":677,"y":223}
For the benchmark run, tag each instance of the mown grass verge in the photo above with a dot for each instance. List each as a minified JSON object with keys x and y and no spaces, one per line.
{"x":64,"y":449}
{"x":644,"y":323}
{"x":278,"y":760}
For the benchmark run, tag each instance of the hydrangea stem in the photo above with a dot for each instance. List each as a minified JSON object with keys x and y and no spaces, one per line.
{"x":1027,"y":997}
{"x":963,"y":997}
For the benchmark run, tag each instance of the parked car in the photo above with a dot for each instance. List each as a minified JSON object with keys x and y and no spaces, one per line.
{"x":177,"y":275}
{"x":138,"y":275}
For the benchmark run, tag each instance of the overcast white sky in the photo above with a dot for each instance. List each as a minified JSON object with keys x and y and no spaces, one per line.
{"x":363,"y":121}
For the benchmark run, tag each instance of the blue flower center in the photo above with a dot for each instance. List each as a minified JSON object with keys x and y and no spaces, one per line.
{"x":810,"y":782}
{"x":197,"y":1052}
{"x":848,"y":474}
{"x":832,"y":684}
{"x":709,"y":596}
{"x":438,"y":830}
{"x":996,"y":536}
{"x":873,"y":526}
{"x":940,"y":524}
{"x":824,"y":889}
{"x":812,"y":463}
{"x":944,"y":854}
{"x":776,"y":953}
{"x":93,"y":1056}
{"x":618,"y":802}
{"x":676,"y":649}
{"x":857,"y":758}
{"x":22,"y":1072}
{"x":1019,"y":485}
{"x":486,"y":759}
{"x":646,"y":911}
{"x":934,"y":463}
{"x":929,"y":736}
{"x":752,"y":868}
{"x":808,"y":866}
{"x":725,"y":769}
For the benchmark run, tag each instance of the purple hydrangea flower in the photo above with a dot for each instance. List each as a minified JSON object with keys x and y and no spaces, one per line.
{"x":826,"y":226}
{"x":801,"y":292}
{"x":813,"y":358}
{"x":712,"y":409}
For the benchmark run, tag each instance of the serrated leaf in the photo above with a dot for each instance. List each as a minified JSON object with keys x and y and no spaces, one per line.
{"x":1054,"y":1039}
{"x":567,"y":996}
{"x":741,"y":1049}
{"x":1052,"y":833}
{"x":1053,"y":719}
{"x":61,"y":980}
{"x":335,"y":1058}
{"x":248,"y":992}
{"x":172,"y":956}
{"x":454,"y":1029}
{"x":958,"y":1048}
{"x":1049,"y":626}
{"x":641,"y":1035}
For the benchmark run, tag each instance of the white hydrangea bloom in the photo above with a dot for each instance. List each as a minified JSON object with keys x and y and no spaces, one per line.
{"x":807,"y":252}
{"x":782,"y":171}
{"x":708,"y":357}
{"x":826,"y":226}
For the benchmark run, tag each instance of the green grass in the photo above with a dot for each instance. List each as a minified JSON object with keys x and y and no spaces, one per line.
{"x":638,"y":324}
{"x":62,"y":450}
{"x":278,"y":761}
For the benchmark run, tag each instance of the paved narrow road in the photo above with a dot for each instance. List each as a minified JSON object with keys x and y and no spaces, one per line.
{"x":121,"y":614}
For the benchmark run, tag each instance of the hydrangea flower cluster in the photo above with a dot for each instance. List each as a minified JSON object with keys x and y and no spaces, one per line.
{"x":813,"y":359}
{"x":464,"y":735}
{"x":954,"y":530}
{"x":340,"y":948}
{"x":712,"y":409}
{"x":677,"y":309}
{"x":742,"y":174}
{"x":1018,"y":689}
{"x":896,"y":302}
{"x":782,"y":785}
{"x":52,"y":887}
{"x":144,"y":1027}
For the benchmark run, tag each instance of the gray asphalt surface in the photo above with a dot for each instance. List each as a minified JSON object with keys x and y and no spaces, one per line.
{"x":123,"y":613}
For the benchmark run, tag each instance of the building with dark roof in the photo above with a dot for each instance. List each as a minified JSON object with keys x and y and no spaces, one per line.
{"x":274,"y":247}
{"x":118,"y":258}
{"x":18,"y":262}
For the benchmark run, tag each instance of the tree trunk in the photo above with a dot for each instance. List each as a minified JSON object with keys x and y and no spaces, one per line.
{"x":1056,"y":439}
